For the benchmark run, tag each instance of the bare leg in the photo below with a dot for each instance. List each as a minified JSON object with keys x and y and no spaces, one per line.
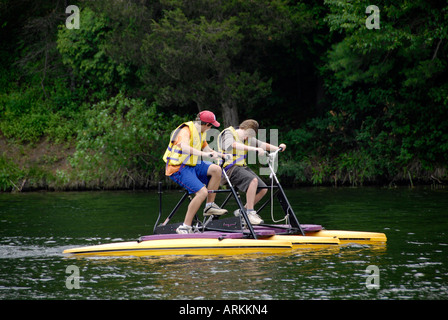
{"x":260,"y":195}
{"x":250,"y":194}
{"x":252,"y":197}
{"x":215,"y":172}
{"x":194,"y":205}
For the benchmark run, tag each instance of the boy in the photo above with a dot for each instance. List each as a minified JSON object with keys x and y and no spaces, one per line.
{"x":184,"y":166}
{"x":238,"y":142}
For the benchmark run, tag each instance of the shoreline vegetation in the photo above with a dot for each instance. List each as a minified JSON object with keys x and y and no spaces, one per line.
{"x":92,"y":107}
{"x":45,"y":166}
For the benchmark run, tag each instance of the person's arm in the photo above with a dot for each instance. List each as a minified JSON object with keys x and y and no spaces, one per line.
{"x":186,"y":148}
{"x":183,"y":142}
{"x":209,"y":152}
{"x":241,"y":146}
{"x":268,"y":147}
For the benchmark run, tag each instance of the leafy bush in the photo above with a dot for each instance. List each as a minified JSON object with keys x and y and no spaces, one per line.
{"x":122,"y":144}
{"x":84,"y":51}
{"x":9,"y":174}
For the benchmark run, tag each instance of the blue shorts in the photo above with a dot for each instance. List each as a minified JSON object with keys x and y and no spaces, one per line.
{"x":192,"y":178}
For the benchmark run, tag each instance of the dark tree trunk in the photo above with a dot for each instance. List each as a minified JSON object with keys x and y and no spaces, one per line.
{"x":229,"y":114}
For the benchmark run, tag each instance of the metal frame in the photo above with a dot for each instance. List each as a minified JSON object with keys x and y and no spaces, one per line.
{"x":280,"y":193}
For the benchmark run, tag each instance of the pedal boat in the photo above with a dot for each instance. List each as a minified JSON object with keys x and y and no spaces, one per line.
{"x":207,"y":243}
{"x":344,"y":237}
{"x":228,"y":236}
{"x":270,"y":240}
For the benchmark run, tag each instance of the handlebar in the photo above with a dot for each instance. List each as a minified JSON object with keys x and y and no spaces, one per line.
{"x":272,"y":154}
{"x":221,"y":159}
{"x":227,"y":156}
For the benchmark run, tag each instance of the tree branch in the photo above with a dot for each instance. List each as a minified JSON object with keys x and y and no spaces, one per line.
{"x":437,"y":49}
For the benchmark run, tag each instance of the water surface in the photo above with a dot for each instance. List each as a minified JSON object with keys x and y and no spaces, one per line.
{"x":36,"y":227}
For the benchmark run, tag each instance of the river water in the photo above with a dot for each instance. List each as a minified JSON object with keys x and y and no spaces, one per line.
{"x":36,"y":227}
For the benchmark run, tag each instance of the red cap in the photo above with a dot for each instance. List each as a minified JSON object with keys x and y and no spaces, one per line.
{"x":209,"y":117}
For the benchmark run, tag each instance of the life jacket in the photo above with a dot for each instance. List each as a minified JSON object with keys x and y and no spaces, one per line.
{"x":238,"y":156}
{"x":174,"y":155}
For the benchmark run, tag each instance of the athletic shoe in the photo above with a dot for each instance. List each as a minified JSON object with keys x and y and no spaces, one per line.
{"x":214,"y":210}
{"x":254,"y":218}
{"x":184,"y":229}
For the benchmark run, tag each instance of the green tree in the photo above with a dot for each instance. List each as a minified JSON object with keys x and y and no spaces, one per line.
{"x":209,"y":53}
{"x":387,"y":86}
{"x":83,"y":50}
{"x":190,"y":60}
{"x":121,"y":144}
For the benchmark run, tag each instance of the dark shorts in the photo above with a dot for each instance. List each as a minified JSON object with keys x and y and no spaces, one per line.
{"x":192,"y":178}
{"x":242,"y":176}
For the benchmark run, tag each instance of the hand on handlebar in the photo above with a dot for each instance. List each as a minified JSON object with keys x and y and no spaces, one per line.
{"x":261,"y":151}
{"x":226,"y":156}
{"x":281,"y":148}
{"x":217,"y":155}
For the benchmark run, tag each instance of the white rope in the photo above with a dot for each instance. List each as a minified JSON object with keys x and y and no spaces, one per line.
{"x":272,"y":158}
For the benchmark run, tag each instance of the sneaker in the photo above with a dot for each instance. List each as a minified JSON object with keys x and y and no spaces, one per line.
{"x":237,"y":212}
{"x":184,"y":229}
{"x":254,"y":218}
{"x":214,"y":210}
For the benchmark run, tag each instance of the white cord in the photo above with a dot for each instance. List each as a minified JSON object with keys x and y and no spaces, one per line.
{"x":272,"y":158}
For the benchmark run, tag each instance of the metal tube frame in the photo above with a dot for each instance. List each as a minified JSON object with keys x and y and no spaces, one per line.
{"x":280,"y":193}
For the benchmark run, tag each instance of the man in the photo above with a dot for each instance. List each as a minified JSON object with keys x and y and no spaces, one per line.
{"x":238,"y":142}
{"x":185,"y":166}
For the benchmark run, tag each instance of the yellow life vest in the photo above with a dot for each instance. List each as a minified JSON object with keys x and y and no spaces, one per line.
{"x":238,"y":156}
{"x":174,"y":155}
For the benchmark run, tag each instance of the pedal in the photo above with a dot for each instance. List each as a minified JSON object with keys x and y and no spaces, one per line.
{"x":232,"y":223}
{"x":167,"y":229}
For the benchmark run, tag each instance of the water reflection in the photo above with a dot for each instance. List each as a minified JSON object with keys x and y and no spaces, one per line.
{"x":36,"y":228}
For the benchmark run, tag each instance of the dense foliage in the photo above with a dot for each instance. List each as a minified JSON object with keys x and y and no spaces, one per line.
{"x":354,"y":104}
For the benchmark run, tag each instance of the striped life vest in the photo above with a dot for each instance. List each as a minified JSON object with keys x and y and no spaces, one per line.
{"x":174,"y":155}
{"x":238,"y":156}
